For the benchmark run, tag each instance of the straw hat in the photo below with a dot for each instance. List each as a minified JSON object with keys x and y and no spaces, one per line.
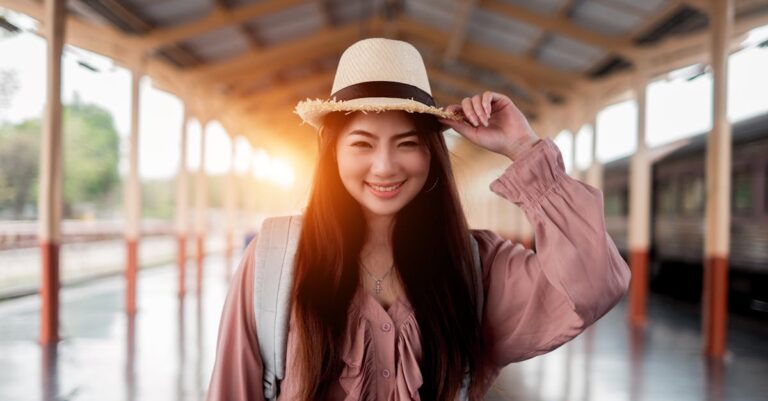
{"x":376,"y":74}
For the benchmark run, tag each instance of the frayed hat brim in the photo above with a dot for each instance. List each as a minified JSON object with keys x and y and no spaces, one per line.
{"x":313,"y":111}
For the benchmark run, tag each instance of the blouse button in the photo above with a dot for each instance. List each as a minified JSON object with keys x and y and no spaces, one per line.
{"x":386,"y":326}
{"x":385,"y":373}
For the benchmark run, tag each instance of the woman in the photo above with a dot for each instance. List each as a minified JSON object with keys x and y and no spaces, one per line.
{"x":382,"y":305}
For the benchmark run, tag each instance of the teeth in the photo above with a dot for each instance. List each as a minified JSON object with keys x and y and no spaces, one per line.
{"x":385,"y":189}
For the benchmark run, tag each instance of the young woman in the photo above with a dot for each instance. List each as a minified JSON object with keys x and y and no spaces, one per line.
{"x":383,"y":307}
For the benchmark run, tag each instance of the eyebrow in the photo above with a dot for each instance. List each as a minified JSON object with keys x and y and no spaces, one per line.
{"x":372,"y":136}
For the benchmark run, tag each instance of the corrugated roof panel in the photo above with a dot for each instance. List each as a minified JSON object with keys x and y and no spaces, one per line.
{"x":494,"y":30}
{"x":562,"y":55}
{"x":289,"y":24}
{"x":574,"y":47}
{"x":599,"y":17}
{"x":172,"y":12}
{"x":240,"y":3}
{"x":436,"y":13}
{"x":646,"y":6}
{"x":498,"y":39}
{"x":540,"y":6}
{"x":345,"y":11}
{"x":219,"y":44}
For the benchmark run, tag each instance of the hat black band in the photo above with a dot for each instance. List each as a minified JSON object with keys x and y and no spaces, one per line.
{"x":384,"y":89}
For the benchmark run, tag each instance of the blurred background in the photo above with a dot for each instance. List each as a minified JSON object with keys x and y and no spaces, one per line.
{"x":168,"y":136}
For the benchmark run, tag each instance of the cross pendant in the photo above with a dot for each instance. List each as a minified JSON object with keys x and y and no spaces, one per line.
{"x":378,"y":286}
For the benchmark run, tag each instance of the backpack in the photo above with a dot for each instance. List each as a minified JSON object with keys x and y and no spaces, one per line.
{"x":276,"y":246}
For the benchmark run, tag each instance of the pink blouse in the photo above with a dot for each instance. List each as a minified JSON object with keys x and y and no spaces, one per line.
{"x":534,"y":301}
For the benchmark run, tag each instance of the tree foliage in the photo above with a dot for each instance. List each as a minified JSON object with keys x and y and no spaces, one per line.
{"x":90,"y":156}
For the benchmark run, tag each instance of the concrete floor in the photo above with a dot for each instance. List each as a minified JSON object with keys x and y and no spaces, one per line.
{"x":166,"y":352}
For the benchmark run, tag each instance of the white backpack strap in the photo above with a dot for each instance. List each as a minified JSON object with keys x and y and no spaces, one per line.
{"x":275,"y":251}
{"x":477,"y":271}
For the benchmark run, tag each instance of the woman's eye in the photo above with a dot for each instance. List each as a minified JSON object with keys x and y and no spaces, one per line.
{"x":361,"y":144}
{"x":409,"y":143}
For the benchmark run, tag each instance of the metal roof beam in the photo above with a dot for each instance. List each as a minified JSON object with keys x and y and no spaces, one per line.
{"x":483,"y":55}
{"x":267,"y":61}
{"x":561,"y":25}
{"x":219,"y":18}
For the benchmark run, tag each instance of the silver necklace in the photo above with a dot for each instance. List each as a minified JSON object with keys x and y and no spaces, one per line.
{"x":378,"y":281}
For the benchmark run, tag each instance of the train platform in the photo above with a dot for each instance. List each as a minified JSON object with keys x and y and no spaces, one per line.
{"x":166,"y":351}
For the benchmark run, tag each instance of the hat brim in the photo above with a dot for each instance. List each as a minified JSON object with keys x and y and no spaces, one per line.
{"x":313,"y":111}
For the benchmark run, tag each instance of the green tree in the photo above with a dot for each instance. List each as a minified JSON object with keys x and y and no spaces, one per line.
{"x":19,"y":158}
{"x":91,"y":154}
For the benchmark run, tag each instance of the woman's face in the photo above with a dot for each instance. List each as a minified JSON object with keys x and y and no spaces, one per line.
{"x":382,"y":161}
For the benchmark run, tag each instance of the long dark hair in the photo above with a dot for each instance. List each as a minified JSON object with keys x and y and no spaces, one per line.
{"x":432,"y":256}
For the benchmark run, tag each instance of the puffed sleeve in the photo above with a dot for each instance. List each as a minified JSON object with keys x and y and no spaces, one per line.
{"x":536,"y":301}
{"x":237,"y":372}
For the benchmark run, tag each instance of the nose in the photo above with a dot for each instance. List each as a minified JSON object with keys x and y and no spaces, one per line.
{"x":383,"y":163}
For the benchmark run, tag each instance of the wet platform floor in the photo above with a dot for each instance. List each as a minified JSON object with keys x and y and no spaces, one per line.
{"x":166,"y":351}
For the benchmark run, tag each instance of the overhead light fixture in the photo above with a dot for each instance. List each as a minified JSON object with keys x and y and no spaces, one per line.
{"x":87,"y":66}
{"x":8,"y":26}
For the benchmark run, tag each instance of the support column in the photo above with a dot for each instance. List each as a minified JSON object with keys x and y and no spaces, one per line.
{"x":133,"y":198}
{"x":231,"y":206}
{"x":595,"y":172}
{"x":718,"y":206}
{"x":49,"y":198}
{"x":574,"y":166}
{"x":182,"y":205}
{"x":639,"y":213}
{"x":201,"y":205}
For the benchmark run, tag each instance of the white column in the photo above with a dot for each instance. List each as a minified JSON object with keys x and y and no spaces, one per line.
{"x":718,"y":205}
{"x":231,"y":201}
{"x":132,"y":195}
{"x":639,"y":212}
{"x":49,"y":198}
{"x":182,"y":203}
{"x":595,"y":172}
{"x":201,"y":205}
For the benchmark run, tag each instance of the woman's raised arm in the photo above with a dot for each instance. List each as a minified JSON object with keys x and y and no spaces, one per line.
{"x":536,"y":301}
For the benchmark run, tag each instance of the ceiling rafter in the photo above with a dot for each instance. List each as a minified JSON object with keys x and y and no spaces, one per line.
{"x":458,"y":37}
{"x":561,"y":25}
{"x":493,"y":59}
{"x":544,"y":35}
{"x":666,"y":11}
{"x":469,"y":87}
{"x":219,"y":18}
{"x":267,"y":61}
{"x":221,"y":6}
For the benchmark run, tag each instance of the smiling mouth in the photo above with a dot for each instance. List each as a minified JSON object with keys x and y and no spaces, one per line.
{"x":385,"y":188}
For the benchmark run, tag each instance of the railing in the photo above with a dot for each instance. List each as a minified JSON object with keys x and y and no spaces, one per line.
{"x":23,"y":234}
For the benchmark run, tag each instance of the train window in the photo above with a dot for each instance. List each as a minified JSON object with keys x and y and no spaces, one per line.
{"x":692,"y":201}
{"x":741,"y":200}
{"x":616,"y":202}
{"x":666,"y":198}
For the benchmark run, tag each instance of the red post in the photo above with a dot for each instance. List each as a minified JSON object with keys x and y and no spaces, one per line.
{"x":131,"y":270}
{"x":182,"y":262}
{"x":638,"y":287}
{"x":715,"y":301}
{"x":200,"y":257}
{"x":49,"y":293}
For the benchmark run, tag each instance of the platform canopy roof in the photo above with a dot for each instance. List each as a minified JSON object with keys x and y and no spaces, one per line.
{"x":247,"y":62}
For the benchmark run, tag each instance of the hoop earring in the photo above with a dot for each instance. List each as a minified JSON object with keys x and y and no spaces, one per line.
{"x":433,"y":184}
